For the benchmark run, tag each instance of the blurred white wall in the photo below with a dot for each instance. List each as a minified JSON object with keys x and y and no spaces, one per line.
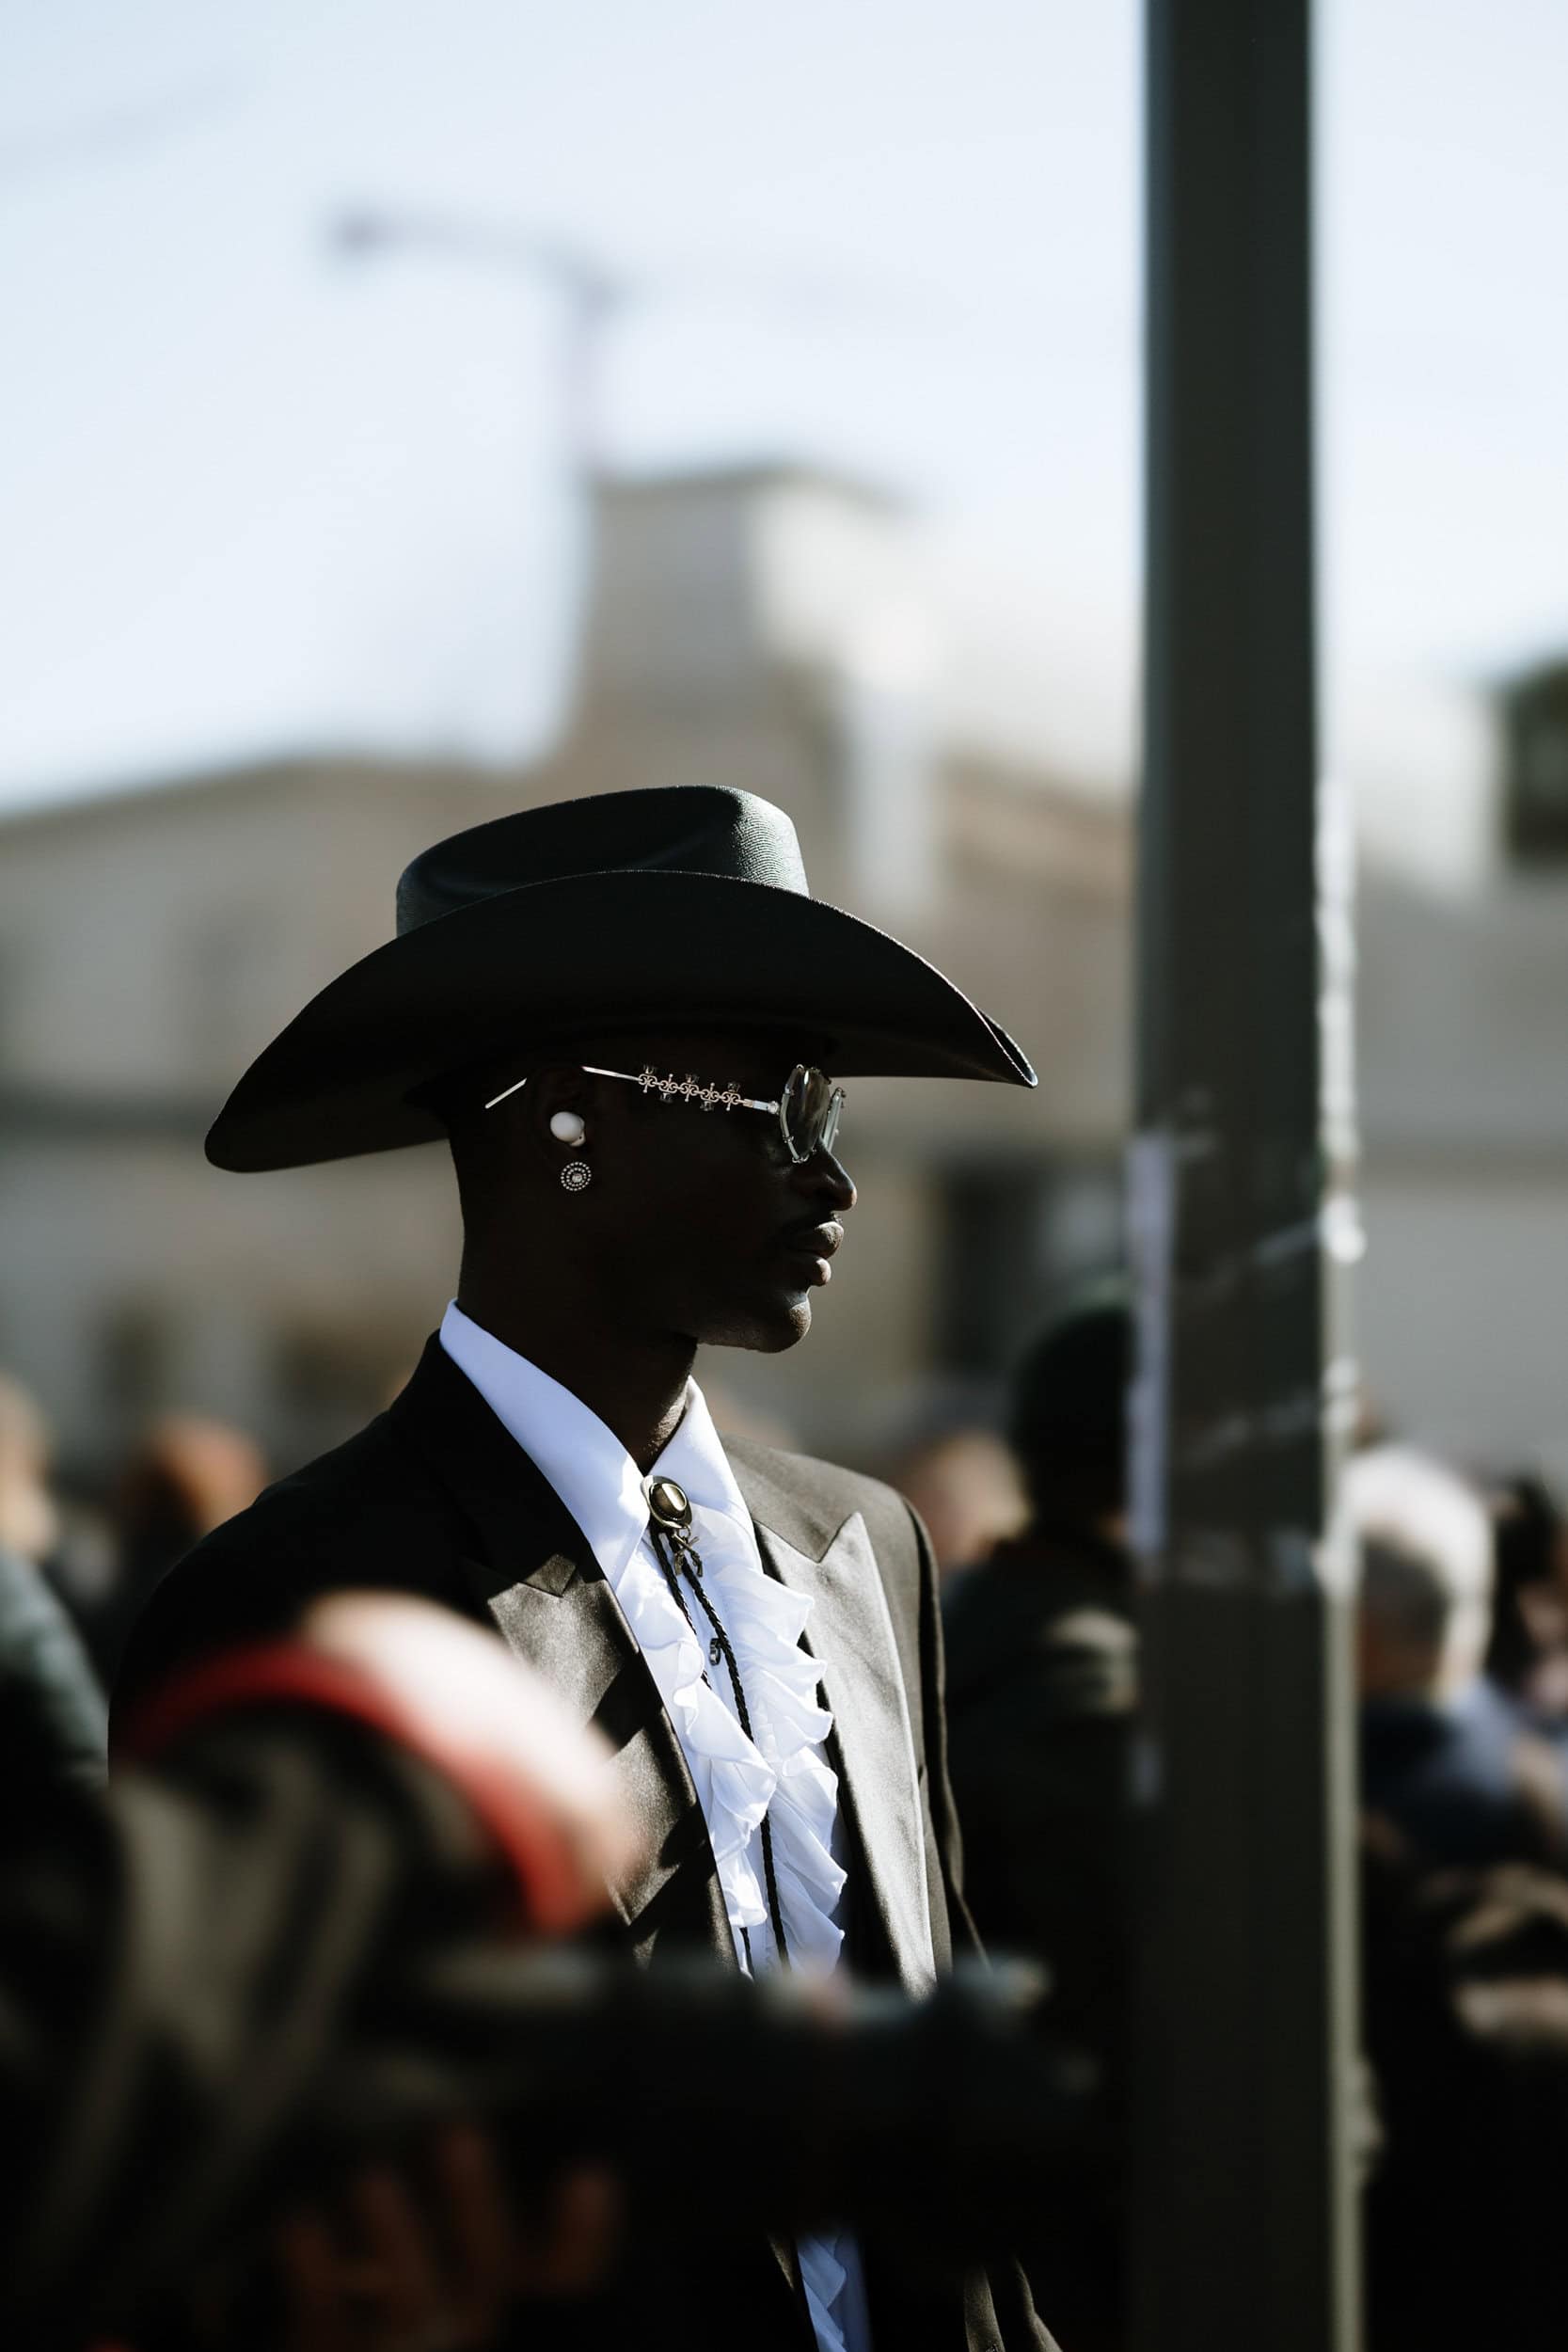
{"x":745,"y":628}
{"x":758,"y":625}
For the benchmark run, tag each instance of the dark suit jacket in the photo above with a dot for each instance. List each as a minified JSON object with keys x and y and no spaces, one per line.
{"x":436,"y":1498}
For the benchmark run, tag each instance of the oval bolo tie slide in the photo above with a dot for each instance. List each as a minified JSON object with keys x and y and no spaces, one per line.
{"x":669,"y":1508}
{"x":671,"y":1513}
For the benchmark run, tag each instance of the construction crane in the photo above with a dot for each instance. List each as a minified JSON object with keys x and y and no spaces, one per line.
{"x":591,"y":296}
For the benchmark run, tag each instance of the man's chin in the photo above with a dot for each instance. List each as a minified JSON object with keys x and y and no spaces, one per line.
{"x":769,"y":1330}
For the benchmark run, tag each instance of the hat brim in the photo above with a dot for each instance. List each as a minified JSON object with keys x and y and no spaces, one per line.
{"x":592,"y":954}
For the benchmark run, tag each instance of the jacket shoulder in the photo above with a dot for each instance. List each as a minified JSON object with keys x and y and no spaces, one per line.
{"x":368,"y":1514}
{"x":826,"y":1495}
{"x":350,"y":1507}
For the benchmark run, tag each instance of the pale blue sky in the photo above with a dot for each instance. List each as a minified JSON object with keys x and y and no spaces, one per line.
{"x":251,"y":500}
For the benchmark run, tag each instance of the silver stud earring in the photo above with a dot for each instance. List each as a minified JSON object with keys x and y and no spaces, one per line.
{"x":567,"y":1127}
{"x":577,"y":1175}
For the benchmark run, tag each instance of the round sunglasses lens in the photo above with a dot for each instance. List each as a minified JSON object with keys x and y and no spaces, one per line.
{"x":792,"y":1109}
{"x":809,"y":1111}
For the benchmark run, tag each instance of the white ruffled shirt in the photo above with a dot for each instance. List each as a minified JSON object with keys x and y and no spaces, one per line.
{"x":783,"y":1774}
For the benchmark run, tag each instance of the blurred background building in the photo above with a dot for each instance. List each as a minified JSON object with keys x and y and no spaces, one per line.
{"x":762,"y":624}
{"x":749,"y":625}
{"x":384,"y":387}
{"x":479,"y":526}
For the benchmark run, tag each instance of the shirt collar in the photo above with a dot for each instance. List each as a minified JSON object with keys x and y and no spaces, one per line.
{"x":584,"y":1460}
{"x":696,"y":1460}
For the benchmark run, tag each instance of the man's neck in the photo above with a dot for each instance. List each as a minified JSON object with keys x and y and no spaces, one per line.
{"x":634,"y":1382}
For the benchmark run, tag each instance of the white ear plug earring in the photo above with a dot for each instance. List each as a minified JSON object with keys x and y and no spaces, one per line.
{"x":567,"y":1127}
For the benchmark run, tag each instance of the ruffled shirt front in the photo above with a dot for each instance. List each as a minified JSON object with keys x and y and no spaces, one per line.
{"x":783,"y":1772}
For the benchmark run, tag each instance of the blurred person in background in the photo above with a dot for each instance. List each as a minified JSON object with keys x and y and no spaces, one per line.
{"x":29,"y":1521}
{"x":614,"y":1011}
{"x":46,"y":1680}
{"x":1450,"y":1760}
{"x":964,"y":1487}
{"x":203,"y":1973}
{"x":1464,"y":1933}
{"x":1465,"y":2016}
{"x":185,"y":1477}
{"x":1527,"y":1654}
{"x":1041,"y":1685}
{"x":1040,"y":1664}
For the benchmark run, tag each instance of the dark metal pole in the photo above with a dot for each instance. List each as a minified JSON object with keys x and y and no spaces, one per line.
{"x":1244,"y":2222}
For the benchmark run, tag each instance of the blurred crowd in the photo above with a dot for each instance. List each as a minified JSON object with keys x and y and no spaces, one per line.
{"x":1461,"y":1677}
{"x":1461,"y":1664}
{"x":75,"y":1570}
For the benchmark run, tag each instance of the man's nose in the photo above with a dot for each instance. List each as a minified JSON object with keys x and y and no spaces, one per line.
{"x":824,"y":1177}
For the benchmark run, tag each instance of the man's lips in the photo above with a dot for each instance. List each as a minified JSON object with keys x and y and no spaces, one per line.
{"x":813,"y":1244}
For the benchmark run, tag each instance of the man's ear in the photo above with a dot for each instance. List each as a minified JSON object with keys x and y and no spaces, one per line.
{"x":557,"y":1121}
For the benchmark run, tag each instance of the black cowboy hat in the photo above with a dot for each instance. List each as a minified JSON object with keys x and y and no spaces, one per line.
{"x":685,"y":906}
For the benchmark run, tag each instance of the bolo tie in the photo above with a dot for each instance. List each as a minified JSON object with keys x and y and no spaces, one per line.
{"x":670,"y":1516}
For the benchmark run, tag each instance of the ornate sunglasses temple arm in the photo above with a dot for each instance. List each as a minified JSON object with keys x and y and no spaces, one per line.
{"x":687,"y":1089}
{"x":650,"y":1084}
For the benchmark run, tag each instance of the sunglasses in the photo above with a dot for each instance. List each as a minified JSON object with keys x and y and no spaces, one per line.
{"x":808,"y":1111}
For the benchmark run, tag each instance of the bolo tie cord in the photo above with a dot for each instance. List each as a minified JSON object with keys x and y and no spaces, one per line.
{"x":676,"y":1552}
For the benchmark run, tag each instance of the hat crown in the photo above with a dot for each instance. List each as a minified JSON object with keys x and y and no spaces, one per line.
{"x":678,"y":829}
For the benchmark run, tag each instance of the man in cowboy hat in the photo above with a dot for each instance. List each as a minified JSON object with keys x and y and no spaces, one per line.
{"x":618,"y":1011}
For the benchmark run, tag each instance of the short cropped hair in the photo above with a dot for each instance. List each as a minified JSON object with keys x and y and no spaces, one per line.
{"x":1425,"y":1546}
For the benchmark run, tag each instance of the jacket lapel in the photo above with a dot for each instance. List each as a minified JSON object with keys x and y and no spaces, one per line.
{"x":864,"y":1688}
{"x":528,"y":1567}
